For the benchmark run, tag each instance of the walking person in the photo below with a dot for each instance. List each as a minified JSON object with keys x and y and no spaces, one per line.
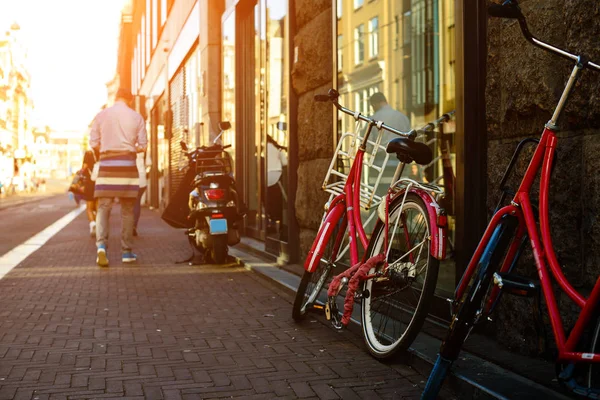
{"x":118,"y":133}
{"x":137,"y":210}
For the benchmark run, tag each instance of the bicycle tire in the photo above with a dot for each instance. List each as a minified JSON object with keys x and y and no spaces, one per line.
{"x":318,"y":278}
{"x":470,"y":304}
{"x":381,"y":338}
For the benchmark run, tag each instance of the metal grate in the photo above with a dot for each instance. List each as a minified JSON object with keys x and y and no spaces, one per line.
{"x":179,"y":125}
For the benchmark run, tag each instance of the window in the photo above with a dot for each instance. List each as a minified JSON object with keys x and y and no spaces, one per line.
{"x":340,"y":52}
{"x":373,"y":37}
{"x":148,"y":32}
{"x":417,"y":79}
{"x":163,"y":12}
{"x":359,"y":44}
{"x":154,"y":23}
{"x":406,"y":24}
{"x":143,"y":44}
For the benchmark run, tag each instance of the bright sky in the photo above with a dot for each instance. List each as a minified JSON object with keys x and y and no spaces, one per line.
{"x":72,"y":46}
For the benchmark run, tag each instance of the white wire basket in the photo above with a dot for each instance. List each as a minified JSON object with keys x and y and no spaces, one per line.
{"x":374,"y":163}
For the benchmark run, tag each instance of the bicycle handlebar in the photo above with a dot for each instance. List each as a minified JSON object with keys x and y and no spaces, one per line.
{"x":510,"y":9}
{"x":333,"y":95}
{"x":433,"y":124}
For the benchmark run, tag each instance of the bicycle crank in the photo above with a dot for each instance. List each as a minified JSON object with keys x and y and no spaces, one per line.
{"x":332,"y":313}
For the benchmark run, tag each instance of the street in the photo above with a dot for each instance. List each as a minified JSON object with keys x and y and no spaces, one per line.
{"x":69,"y":329}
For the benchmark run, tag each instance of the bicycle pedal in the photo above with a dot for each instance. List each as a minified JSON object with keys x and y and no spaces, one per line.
{"x":327,"y":312}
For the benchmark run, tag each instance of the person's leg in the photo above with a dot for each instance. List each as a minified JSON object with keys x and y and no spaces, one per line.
{"x":102,"y":228}
{"x":91,"y":210}
{"x":137,"y":209}
{"x":102,"y":220}
{"x":91,"y":214}
{"x":127,"y":220}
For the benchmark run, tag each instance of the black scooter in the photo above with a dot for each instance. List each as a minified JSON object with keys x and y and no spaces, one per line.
{"x":207,"y":197}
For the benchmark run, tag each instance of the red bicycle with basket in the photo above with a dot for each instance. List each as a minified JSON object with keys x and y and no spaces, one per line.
{"x":397,"y":275}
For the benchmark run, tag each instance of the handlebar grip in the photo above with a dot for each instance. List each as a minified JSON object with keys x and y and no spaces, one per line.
{"x":322,"y":98}
{"x":507,"y":10}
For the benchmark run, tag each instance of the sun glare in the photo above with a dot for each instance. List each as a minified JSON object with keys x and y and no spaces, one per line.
{"x":71,"y":52}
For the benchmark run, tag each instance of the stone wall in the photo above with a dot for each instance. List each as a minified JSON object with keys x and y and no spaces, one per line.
{"x":311,"y":74}
{"x":523,"y":87}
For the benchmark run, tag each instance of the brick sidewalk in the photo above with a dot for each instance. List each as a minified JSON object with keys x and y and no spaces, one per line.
{"x":69,"y":329}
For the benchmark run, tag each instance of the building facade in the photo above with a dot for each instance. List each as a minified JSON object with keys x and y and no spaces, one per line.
{"x":16,"y":105}
{"x":259,"y":63}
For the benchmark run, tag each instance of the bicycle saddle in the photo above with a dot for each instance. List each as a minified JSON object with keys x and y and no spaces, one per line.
{"x":408,"y":151}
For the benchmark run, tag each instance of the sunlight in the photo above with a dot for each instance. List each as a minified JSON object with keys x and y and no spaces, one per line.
{"x":71,"y":50}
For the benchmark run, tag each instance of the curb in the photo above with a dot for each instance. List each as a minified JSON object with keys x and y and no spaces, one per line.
{"x":472,"y":377}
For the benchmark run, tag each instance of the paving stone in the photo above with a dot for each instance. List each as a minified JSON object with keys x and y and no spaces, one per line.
{"x":158,"y":329}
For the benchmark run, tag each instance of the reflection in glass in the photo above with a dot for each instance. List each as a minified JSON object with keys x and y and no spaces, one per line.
{"x":228,"y":84}
{"x":277,"y":139}
{"x":403,"y":74}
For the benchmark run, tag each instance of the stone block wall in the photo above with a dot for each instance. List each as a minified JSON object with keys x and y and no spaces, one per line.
{"x":312,"y":73}
{"x":523,"y":87}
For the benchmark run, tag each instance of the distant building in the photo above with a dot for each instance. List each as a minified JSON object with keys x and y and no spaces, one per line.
{"x":57,"y":154}
{"x":16,"y":105}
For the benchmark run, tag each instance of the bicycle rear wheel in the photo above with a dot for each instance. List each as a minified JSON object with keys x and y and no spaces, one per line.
{"x":313,"y":282}
{"x":471,"y":306}
{"x":396,"y":305}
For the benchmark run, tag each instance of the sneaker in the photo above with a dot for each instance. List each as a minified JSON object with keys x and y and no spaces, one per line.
{"x":129,"y":257}
{"x":102,"y":259}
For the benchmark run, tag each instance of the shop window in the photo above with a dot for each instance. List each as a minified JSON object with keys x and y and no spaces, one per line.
{"x":416,"y":80}
{"x":339,"y":9}
{"x":228,"y":83}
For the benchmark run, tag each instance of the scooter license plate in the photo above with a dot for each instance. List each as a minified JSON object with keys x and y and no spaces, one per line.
{"x":217,"y":226}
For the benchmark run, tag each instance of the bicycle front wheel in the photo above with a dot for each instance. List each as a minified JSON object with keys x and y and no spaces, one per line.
{"x":395,"y":305}
{"x":313,"y":282}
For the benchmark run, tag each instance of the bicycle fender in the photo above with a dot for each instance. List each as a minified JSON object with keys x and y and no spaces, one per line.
{"x":327,"y":227}
{"x":438,"y":221}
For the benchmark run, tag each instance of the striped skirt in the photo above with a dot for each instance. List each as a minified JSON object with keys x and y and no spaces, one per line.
{"x":117,"y":176}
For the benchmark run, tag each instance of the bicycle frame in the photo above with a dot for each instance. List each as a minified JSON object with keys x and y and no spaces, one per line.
{"x":347,"y":207}
{"x":541,"y":244}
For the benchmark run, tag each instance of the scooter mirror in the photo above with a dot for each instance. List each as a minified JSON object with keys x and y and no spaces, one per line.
{"x":224,"y":125}
{"x":183,"y":145}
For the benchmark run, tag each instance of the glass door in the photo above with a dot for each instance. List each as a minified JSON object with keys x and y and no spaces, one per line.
{"x":276,"y":137}
{"x":249,"y":96}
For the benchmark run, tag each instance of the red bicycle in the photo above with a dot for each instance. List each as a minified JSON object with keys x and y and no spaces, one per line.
{"x":397,"y":275}
{"x":489,"y":272}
